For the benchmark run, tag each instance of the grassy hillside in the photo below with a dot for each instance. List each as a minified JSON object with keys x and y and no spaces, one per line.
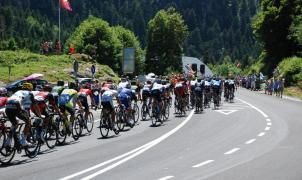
{"x":53,"y":67}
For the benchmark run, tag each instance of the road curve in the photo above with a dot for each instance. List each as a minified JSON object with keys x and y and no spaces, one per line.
{"x":256,"y":137}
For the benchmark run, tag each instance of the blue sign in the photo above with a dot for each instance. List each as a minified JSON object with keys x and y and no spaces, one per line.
{"x":93,"y":69}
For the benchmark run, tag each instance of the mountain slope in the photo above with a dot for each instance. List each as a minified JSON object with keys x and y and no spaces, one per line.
{"x":217,"y":27}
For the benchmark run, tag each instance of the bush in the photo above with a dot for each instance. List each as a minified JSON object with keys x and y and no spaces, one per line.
{"x":291,"y":70}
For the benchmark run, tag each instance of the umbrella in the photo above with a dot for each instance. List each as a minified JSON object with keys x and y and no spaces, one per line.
{"x":33,"y":76}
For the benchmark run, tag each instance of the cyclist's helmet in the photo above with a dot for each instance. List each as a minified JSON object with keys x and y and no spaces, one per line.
{"x":47,"y":88}
{"x":60,"y":83}
{"x":27,"y":86}
{"x":72,"y":85}
{"x":3,"y":91}
{"x":87,"y":85}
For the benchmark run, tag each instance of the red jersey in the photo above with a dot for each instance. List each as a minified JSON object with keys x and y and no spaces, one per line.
{"x":85,"y":92}
{"x":3,"y":101}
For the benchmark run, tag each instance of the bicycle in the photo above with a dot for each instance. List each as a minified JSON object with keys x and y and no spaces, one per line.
{"x":106,"y":123}
{"x":11,"y":142}
{"x":81,"y":123}
{"x":166,"y":108}
{"x":63,"y":129}
{"x":145,"y":111}
{"x":135,"y":111}
{"x":156,"y":114}
{"x":199,"y":103}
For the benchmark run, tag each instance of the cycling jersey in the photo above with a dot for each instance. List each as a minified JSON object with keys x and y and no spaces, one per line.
{"x":207,"y":83}
{"x":122,"y":85}
{"x":147,"y":87}
{"x":57,"y":90}
{"x":67,"y":98}
{"x":42,"y":98}
{"x":22,"y":97}
{"x":216,"y":82}
{"x":125,"y":96}
{"x":85,"y":92}
{"x":107,"y":97}
{"x":179,"y":89}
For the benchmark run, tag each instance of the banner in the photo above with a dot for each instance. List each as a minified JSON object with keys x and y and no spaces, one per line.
{"x":128,"y":60}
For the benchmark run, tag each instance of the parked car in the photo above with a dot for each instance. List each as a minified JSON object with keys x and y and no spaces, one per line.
{"x":17,"y":85}
{"x":83,"y":81}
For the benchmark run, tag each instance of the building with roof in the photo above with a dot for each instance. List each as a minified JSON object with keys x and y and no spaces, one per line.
{"x":192,"y":60}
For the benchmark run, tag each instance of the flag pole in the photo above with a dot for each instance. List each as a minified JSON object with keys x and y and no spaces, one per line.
{"x":59,"y":22}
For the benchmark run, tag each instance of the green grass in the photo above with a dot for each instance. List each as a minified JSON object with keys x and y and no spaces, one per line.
{"x":53,"y":67}
{"x":293,"y":92}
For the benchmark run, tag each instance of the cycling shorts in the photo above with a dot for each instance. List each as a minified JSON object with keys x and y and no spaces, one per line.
{"x":156,"y":94}
{"x":21,"y":114}
{"x":108,"y":105}
{"x":125,"y":101}
{"x":84,"y":102}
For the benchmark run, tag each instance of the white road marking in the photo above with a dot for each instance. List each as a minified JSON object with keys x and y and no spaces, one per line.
{"x":166,"y":178}
{"x":254,"y":107}
{"x":267,"y":128}
{"x":203,"y":163}
{"x":226,"y":112}
{"x":261,"y":134}
{"x":232,"y":151}
{"x":269,"y":124}
{"x":268,"y":120}
{"x":250,"y":141}
{"x":130,"y":154}
{"x":98,"y":120}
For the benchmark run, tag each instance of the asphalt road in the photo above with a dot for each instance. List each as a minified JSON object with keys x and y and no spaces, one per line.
{"x":256,"y":137}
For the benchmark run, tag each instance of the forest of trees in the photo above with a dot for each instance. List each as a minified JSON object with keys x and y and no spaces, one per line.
{"x":217,"y":28}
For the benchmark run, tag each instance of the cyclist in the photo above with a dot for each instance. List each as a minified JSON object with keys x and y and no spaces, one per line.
{"x":57,"y":90}
{"x":84,"y":92}
{"x":19,"y":105}
{"x":42,"y":98}
{"x":147,"y":91}
{"x":216,"y":86}
{"x":231,"y":86}
{"x":3,"y":100}
{"x":67,"y":102}
{"x":107,"y":103}
{"x":123,"y":84}
{"x":226,"y":89}
{"x":179,"y":92}
{"x":207,"y":91}
{"x":198,"y":90}
{"x":156,"y":92}
{"x":125,"y":96}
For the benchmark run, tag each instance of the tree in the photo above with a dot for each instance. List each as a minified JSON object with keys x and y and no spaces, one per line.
{"x":94,"y":35}
{"x":272,"y":28}
{"x":166,"y":34}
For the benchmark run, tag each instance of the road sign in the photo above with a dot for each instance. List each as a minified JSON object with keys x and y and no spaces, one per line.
{"x":93,"y":69}
{"x":129,"y":60}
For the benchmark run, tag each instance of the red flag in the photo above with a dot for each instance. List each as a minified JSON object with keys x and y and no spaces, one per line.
{"x":66,"y":5}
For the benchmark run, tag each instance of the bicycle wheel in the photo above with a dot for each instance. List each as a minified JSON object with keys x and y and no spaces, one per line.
{"x":78,"y":125}
{"x":104,"y":126}
{"x":34,"y":139}
{"x":167,"y":112}
{"x":61,"y":133}
{"x":8,"y":149}
{"x":76,"y":129}
{"x":90,"y":122}
{"x":153,"y":117}
{"x":120,"y":120}
{"x":144,"y":112}
{"x":50,"y":135}
{"x":136,"y":113}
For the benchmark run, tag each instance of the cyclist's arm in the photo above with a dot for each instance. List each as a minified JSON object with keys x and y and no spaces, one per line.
{"x":35,"y":106}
